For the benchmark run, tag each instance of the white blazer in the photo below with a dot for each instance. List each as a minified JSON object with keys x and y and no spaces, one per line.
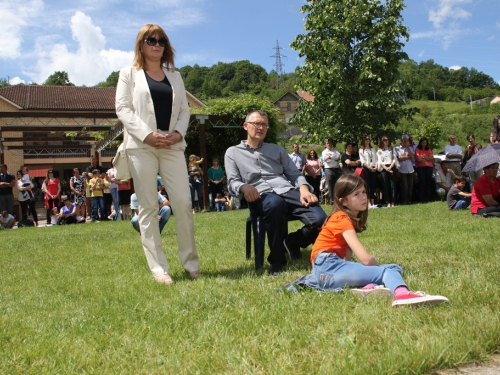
{"x":134,"y":107}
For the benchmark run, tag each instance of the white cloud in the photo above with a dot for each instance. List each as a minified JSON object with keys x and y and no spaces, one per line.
{"x":16,"y":81}
{"x":15,"y":18}
{"x":90,"y":64}
{"x":448,"y":9}
{"x":421,"y":53}
{"x":455,"y":67}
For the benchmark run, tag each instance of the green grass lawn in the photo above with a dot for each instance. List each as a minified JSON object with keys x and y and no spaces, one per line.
{"x":80,"y":299}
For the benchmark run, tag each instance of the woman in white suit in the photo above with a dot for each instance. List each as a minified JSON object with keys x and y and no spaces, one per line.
{"x":152,"y":106}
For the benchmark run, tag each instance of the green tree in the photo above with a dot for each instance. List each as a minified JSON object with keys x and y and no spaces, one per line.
{"x":4,"y":82}
{"x":352,"y":52}
{"x":218,"y":140}
{"x":111,"y":81}
{"x":58,"y":79}
{"x":432,"y":131}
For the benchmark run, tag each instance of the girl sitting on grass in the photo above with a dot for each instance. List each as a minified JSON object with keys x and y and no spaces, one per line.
{"x":338,"y":239}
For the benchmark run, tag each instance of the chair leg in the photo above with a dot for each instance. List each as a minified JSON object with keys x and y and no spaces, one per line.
{"x":259,"y":233}
{"x":249,"y":238}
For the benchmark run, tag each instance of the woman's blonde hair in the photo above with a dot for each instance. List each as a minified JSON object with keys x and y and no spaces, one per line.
{"x":153,"y":30}
{"x":345,"y":185}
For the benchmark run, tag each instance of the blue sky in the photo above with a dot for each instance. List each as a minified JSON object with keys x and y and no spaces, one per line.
{"x":92,"y":38}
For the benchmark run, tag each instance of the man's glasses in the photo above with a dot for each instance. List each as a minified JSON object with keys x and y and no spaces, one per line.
{"x":152,"y":42}
{"x":262,"y":125}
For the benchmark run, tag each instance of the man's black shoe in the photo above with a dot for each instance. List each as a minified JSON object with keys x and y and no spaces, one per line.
{"x":276,"y":269}
{"x":292,"y":250}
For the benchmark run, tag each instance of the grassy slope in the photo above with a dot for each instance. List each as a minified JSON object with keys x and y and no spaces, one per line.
{"x":80,"y":299}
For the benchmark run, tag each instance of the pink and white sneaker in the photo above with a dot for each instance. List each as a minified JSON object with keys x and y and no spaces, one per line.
{"x":418,"y":298}
{"x":372,"y":290}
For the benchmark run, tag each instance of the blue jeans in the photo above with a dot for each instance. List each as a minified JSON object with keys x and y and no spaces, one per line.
{"x":462,"y":204}
{"x":98,"y":204}
{"x":331,"y":272}
{"x":164,"y":213}
{"x":198,"y":187}
{"x":219,"y":206}
{"x":274,"y":209}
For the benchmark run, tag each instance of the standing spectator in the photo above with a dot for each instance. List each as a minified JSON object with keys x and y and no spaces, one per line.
{"x":78,"y":186}
{"x":7,"y":182}
{"x":195,"y":183}
{"x":470,"y":150}
{"x":110,"y":176}
{"x":424,"y":164}
{"x":88,"y":201}
{"x":313,"y":172}
{"x":52,"y":188}
{"x":93,"y":165}
{"x":156,"y":126}
{"x":298,"y":158}
{"x":350,"y":161}
{"x":163,"y":214}
{"x":96,"y":191}
{"x":216,"y":178}
{"x":454,"y":155}
{"x":368,"y":158}
{"x":331,"y":158}
{"x":106,"y":193}
{"x":387,"y":165}
{"x":26,"y":198}
{"x":457,"y":198}
{"x":124,"y":193}
{"x":405,"y":157}
{"x":495,"y":130}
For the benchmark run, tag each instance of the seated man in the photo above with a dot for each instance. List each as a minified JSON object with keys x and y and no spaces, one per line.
{"x":444,"y":179}
{"x":273,"y":187}
{"x":7,"y":221}
{"x":457,"y":198}
{"x":163,"y":214}
{"x":486,"y":193}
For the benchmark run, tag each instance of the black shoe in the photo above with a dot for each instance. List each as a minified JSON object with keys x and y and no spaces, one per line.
{"x":276,"y":269}
{"x":292,"y":250}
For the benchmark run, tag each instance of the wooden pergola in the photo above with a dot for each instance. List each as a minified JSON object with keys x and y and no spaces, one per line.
{"x":81,"y":123}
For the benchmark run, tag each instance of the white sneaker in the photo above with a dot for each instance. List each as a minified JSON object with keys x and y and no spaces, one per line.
{"x":376,"y":291}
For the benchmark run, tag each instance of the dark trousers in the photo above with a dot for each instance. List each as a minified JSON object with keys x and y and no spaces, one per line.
{"x":198,"y":187}
{"x":406,"y":187}
{"x":389,"y":185}
{"x":275,"y":208}
{"x":371,"y":180}
{"x":98,"y":205}
{"x":425,"y":184}
{"x":331,"y":176}
{"x":31,"y":205}
{"x":315,"y":182}
{"x":51,"y":203}
{"x":214,"y":190}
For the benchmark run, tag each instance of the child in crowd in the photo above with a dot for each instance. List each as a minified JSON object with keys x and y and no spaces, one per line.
{"x":457,"y":198}
{"x":219,"y":202}
{"x":55,"y":218}
{"x":194,"y":166}
{"x":7,"y":221}
{"x":338,"y":239}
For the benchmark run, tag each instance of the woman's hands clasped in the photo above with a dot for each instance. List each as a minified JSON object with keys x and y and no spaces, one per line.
{"x":158,"y":140}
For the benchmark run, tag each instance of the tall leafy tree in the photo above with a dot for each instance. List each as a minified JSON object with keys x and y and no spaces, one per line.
{"x":111,"y":81}
{"x":352,"y":52}
{"x":58,"y":79}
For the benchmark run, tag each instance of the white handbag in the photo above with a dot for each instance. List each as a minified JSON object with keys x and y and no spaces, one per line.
{"x":120,"y":162}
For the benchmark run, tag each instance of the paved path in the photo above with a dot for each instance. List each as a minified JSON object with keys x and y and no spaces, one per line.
{"x":491,"y":367}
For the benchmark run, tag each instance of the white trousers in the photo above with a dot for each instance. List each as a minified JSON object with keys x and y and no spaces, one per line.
{"x":144,"y":164}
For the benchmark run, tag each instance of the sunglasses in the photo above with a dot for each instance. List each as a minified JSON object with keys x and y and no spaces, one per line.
{"x":152,"y":42}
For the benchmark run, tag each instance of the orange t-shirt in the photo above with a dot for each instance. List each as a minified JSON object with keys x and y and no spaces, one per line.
{"x":330,"y":239}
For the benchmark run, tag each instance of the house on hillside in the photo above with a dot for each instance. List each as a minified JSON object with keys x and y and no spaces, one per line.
{"x":59,"y":127}
{"x":287,"y":104}
{"x":496,"y":99}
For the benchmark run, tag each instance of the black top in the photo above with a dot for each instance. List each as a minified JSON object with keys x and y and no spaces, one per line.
{"x":91,"y":168}
{"x":8,"y":177}
{"x":351,"y":157}
{"x":162,"y":95}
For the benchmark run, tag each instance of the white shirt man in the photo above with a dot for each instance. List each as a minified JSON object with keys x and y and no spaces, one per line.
{"x":297,"y":157}
{"x":454,"y":155}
